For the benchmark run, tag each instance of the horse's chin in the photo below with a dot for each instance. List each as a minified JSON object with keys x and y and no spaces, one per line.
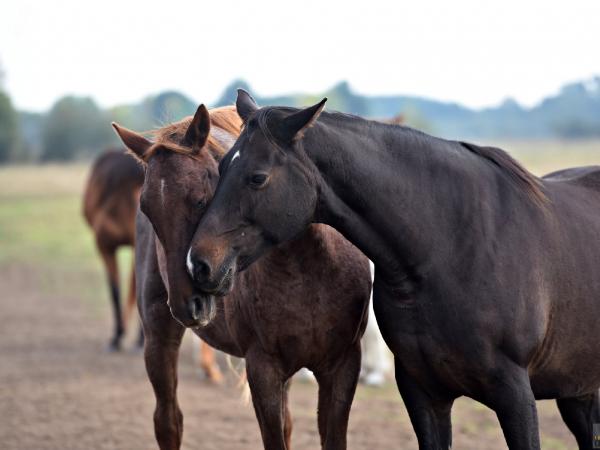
{"x":208,"y":310}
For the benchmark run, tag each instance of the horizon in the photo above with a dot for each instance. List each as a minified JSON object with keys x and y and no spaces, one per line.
{"x":467,"y":53}
{"x":595,"y":79}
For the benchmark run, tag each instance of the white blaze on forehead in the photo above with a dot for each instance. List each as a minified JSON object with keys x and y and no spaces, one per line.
{"x":162,"y":191}
{"x":235,"y":156}
{"x":189,"y":264}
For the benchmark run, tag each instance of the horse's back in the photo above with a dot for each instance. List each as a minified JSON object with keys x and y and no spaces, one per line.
{"x":586,"y":176}
{"x":111,"y":196}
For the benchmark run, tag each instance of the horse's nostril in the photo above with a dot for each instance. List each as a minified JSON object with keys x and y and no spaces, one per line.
{"x":201,"y":271}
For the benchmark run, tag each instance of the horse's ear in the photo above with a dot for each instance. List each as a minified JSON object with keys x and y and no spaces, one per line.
{"x":135,"y":142}
{"x":245,"y":105}
{"x":293,"y":127}
{"x":197,"y":133}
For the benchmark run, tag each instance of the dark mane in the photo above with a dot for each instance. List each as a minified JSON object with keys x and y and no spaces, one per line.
{"x":515,"y":172}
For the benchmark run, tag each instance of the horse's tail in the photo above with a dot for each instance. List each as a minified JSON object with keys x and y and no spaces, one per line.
{"x":242,"y":380}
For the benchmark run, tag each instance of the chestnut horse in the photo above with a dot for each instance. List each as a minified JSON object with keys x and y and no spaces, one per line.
{"x":304,"y":304}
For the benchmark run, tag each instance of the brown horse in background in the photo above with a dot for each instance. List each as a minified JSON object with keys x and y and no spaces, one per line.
{"x":110,"y":202}
{"x":303,"y":305}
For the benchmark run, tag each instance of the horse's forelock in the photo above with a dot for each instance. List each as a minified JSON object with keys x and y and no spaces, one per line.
{"x":169,"y":137}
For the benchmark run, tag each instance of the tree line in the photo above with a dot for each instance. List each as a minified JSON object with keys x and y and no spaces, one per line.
{"x":76,"y":128}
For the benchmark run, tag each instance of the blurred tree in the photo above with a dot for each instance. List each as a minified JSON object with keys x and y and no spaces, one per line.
{"x":414,"y":118}
{"x":9,"y":128}
{"x":75,"y":127}
{"x":9,"y":124}
{"x":169,"y":106}
{"x":30,"y":130}
{"x":154,"y":111}
{"x":230,"y":92}
{"x":341,"y":98}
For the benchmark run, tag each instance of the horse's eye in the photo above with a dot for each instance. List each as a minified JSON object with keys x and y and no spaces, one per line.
{"x":201,"y":203}
{"x":258,"y":180}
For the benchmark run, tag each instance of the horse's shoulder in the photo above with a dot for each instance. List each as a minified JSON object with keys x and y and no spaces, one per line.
{"x":587,"y":176}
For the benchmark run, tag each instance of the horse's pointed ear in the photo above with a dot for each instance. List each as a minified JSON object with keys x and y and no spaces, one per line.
{"x":197,"y":133}
{"x":245,"y":105}
{"x":135,"y":142}
{"x":294,"y":126}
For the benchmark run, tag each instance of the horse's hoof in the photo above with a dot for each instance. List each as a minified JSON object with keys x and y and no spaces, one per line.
{"x":137,"y":349}
{"x":114,"y":346}
{"x":139,"y":344}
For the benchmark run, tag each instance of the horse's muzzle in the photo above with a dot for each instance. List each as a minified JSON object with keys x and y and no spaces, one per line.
{"x":203,"y":309}
{"x":198,"y":311}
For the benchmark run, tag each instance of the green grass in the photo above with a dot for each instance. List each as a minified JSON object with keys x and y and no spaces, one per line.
{"x":41,"y":226}
{"x":542,"y":157}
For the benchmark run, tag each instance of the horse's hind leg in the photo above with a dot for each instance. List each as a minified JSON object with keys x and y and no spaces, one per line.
{"x":161,"y":352}
{"x":109,"y":257}
{"x":267,"y":386}
{"x":208,"y":362}
{"x":337,"y":386}
{"x":130,"y":305}
{"x":580,"y":414}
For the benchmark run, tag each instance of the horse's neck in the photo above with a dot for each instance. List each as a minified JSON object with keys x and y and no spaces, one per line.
{"x":387,"y":192}
{"x":311,"y":245}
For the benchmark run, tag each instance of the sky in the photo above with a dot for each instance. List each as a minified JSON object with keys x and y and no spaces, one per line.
{"x":476,"y":53}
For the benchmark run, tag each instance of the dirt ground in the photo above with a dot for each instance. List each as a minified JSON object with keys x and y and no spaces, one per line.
{"x":59,"y":388}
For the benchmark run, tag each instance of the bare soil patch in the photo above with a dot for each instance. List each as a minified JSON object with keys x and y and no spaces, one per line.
{"x":60,"y":389}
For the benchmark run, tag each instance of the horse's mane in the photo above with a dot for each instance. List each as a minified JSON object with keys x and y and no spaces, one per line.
{"x":169,"y":137}
{"x":516,"y":173}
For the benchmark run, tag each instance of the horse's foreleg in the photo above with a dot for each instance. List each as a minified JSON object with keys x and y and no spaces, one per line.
{"x":267,"y":388}
{"x":337,"y":386}
{"x":580,"y":414}
{"x":287,"y":422}
{"x":161,"y":351}
{"x":110,"y":262}
{"x":509,"y":394}
{"x":429,"y":415}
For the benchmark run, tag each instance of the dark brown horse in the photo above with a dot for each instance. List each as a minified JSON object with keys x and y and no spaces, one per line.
{"x":487,"y":279}
{"x":110,"y":202}
{"x":303,"y":305}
